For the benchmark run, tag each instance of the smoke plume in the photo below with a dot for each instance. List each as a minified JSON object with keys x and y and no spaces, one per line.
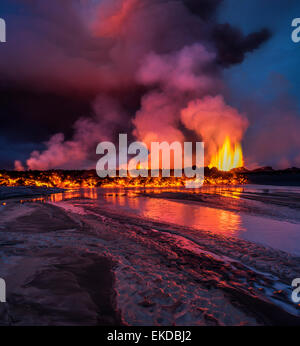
{"x":152,"y":68}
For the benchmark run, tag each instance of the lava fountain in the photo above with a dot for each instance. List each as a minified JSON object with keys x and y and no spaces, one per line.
{"x":228,"y":157}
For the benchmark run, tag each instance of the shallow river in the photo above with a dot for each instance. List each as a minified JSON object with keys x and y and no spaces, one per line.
{"x":279,"y":229}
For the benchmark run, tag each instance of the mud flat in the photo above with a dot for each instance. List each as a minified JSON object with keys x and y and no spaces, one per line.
{"x":52,"y":280}
{"x":79,"y":263}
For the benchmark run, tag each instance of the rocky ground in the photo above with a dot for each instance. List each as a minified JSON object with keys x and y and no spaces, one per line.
{"x":78,"y":263}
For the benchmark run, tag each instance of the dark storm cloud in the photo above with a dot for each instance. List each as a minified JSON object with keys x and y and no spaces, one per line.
{"x":232,"y":45}
{"x":28,"y":115}
{"x":203,"y":8}
{"x":51,"y":46}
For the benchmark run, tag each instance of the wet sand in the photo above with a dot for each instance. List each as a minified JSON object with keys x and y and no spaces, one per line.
{"x":79,"y":263}
{"x":50,"y":284}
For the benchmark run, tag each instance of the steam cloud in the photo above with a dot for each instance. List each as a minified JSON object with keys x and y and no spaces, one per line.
{"x":155,"y":66}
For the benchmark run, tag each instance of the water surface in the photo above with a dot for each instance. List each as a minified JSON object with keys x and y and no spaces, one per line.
{"x":280,"y":234}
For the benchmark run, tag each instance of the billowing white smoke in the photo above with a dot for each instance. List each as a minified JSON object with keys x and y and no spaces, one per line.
{"x":185,"y":99}
{"x":150,"y":45}
{"x":157,"y":120}
{"x":213,"y":120}
{"x":182,"y":71}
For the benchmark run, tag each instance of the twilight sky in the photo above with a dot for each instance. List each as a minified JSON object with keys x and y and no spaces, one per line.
{"x":77,"y":72}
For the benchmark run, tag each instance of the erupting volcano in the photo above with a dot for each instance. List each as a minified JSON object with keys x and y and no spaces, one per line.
{"x":228,"y":157}
{"x":149,"y":154}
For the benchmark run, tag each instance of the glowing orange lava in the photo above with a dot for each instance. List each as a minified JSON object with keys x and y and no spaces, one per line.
{"x":228,"y":157}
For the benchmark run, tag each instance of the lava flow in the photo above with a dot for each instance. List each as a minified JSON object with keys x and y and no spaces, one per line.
{"x":89,"y":179}
{"x":228,"y":157}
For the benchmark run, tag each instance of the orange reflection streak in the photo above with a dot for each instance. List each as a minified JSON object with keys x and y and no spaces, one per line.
{"x":90,"y":193}
{"x":216,"y":220}
{"x":174,"y":212}
{"x":231,"y":191}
